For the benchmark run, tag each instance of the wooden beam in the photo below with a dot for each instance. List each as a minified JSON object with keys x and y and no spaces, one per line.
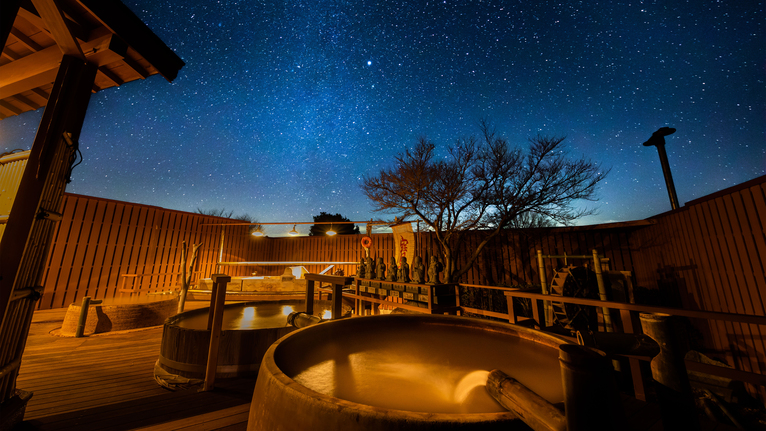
{"x":15,"y":77}
{"x":10,"y":107}
{"x":38,"y":22}
{"x":24,"y":40}
{"x":40,"y":68}
{"x":133,"y":64}
{"x":28,"y":102}
{"x":10,"y":55}
{"x":111,"y":77}
{"x":54,"y":20}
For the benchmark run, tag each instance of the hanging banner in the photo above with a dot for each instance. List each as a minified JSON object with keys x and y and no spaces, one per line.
{"x":404,"y":242}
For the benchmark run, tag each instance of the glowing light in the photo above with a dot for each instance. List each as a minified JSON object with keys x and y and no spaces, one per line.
{"x":257,"y":233}
{"x":468,"y":383}
{"x":287,"y":309}
{"x":327,"y":314}
{"x":246,"y":318}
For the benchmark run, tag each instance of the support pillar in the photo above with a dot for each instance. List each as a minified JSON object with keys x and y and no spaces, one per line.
{"x":27,"y":236}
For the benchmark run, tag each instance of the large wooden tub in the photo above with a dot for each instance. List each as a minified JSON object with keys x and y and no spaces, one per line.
{"x":402,"y":372}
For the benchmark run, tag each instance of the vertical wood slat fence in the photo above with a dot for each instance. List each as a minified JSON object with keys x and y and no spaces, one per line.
{"x":713,"y":252}
{"x":100,"y":240}
{"x":707,"y":255}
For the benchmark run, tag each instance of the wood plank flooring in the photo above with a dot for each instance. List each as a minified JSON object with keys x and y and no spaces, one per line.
{"x":106,"y":382}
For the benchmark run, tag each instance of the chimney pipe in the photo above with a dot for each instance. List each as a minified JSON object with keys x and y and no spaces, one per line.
{"x":658,"y":140}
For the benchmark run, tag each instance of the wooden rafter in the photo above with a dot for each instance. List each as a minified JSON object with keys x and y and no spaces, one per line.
{"x":24,"y":40}
{"x":54,"y":20}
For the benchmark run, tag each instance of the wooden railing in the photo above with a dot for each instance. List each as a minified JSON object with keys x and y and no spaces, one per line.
{"x":629,"y":320}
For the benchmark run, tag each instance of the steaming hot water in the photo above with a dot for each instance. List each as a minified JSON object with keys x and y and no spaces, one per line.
{"x":438,"y":372}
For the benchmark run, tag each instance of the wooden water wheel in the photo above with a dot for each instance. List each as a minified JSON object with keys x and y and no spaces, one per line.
{"x":575,"y":282}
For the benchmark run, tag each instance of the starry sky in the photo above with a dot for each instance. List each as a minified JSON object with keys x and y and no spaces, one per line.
{"x":283,"y":107}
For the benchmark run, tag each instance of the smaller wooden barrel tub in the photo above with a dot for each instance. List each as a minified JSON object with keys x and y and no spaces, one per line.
{"x":249,"y":328}
{"x":120,"y":314}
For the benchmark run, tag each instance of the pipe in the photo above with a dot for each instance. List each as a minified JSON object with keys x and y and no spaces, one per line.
{"x":590,"y":395}
{"x":301,"y":319}
{"x":674,"y":393}
{"x":86,"y":301}
{"x":537,"y":412}
{"x":658,"y":140}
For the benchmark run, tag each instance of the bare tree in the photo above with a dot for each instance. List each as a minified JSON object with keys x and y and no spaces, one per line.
{"x":186,"y":276}
{"x":221,"y":212}
{"x":484,"y":185}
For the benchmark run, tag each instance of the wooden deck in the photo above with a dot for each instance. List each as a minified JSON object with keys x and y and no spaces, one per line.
{"x":105,"y":382}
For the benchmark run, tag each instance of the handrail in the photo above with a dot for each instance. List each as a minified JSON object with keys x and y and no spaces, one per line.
{"x":716,"y":315}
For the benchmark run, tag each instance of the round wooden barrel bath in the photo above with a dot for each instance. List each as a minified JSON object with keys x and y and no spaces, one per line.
{"x":120,"y":314}
{"x":249,"y":328}
{"x":400,"y":371}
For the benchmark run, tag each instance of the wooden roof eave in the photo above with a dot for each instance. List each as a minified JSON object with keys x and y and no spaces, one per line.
{"x":124,"y":23}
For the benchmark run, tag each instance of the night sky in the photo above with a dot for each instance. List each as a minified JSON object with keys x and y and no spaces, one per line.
{"x":282,"y":107}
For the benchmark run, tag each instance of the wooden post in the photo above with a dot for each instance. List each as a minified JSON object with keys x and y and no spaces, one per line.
{"x":548,"y":314}
{"x":357,"y":302}
{"x":83,"y":317}
{"x":337,"y":291}
{"x":28,"y":232}
{"x":309,"y":296}
{"x":511,"y":312}
{"x":602,"y":291}
{"x":217,"y":301}
{"x":635,"y":366}
{"x":674,"y":392}
{"x":590,"y":396}
{"x":536,"y":312}
{"x":337,"y":301}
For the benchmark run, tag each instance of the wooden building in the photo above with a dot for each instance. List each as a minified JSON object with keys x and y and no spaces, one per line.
{"x":55,"y":55}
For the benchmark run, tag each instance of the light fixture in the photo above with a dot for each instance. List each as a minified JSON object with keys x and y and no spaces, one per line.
{"x":257,"y":233}
{"x":293,"y":232}
{"x":330,"y":232}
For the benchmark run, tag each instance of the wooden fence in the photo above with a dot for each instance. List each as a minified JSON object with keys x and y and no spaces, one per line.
{"x":100,"y":240}
{"x":712,"y":252}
